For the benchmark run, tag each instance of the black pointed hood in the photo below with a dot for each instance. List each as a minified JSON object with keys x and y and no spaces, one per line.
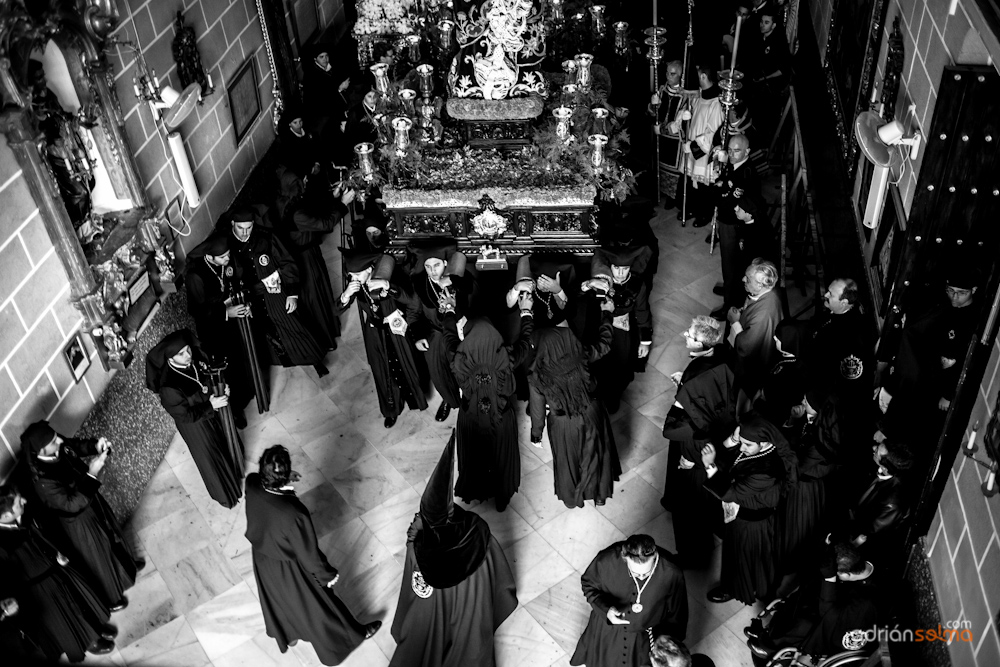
{"x":453,"y":542}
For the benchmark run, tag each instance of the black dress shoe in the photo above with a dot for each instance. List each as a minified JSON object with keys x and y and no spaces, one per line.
{"x":389,"y":422}
{"x":140,"y":563}
{"x":719,"y":595}
{"x":719,"y":291}
{"x":372,"y":628}
{"x":121,"y":604}
{"x":762,"y":649}
{"x":107,"y":631}
{"x":752,"y":633}
{"x":321,"y":370}
{"x":101,"y":646}
{"x":292,"y":643}
{"x":442,"y":412}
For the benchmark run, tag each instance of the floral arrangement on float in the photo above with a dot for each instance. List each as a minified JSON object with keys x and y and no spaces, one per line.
{"x":383,"y":17}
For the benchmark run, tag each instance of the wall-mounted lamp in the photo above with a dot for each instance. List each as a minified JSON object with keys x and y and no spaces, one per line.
{"x":891,"y":134}
{"x":991,"y":445}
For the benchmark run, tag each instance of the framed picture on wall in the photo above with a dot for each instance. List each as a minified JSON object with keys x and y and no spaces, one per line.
{"x":888,"y":249}
{"x":852,"y":46}
{"x":244,"y":99}
{"x":76,"y":357}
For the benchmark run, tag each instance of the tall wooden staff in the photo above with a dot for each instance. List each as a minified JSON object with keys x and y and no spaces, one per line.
{"x":261,"y":387}
{"x":730,"y":83}
{"x":688,"y":43}
{"x":225,"y":414}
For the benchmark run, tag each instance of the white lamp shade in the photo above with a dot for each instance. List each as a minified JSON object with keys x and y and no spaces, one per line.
{"x":169,"y":95}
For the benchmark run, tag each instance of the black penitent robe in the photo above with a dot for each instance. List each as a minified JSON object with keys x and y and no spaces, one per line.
{"x":207,"y":290}
{"x":584,"y":457}
{"x":607,"y":583}
{"x":616,"y":370}
{"x":90,"y":535}
{"x":489,"y":462}
{"x":60,"y":611}
{"x":288,"y":336}
{"x":749,"y":565}
{"x":292,"y":575}
{"x":429,"y":326}
{"x":454,"y":626}
{"x":199,"y":425}
{"x":393,"y":357}
{"x":306,"y":227}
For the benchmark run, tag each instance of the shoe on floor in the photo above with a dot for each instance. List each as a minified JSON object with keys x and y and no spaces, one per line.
{"x":442,"y":412}
{"x":121,"y":604}
{"x":718,"y":290}
{"x":107,"y":631}
{"x":720,"y":313}
{"x":389,"y":422}
{"x":718,"y":595}
{"x":101,"y":646}
{"x":372,"y":628}
{"x":761,"y":649}
{"x":753,"y":632}
{"x":321,"y":370}
{"x":140,"y":564}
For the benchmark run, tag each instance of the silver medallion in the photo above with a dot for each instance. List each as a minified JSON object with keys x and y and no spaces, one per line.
{"x":637,"y":607}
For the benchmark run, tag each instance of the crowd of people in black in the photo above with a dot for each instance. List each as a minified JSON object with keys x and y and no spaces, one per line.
{"x":768,"y":437}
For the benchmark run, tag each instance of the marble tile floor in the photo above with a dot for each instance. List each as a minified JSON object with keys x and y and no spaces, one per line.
{"x":195,"y":604}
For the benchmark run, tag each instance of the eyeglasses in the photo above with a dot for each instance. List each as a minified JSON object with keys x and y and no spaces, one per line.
{"x":954,"y":291}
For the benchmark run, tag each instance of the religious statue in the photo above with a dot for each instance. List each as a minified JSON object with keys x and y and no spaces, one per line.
{"x":501,"y":47}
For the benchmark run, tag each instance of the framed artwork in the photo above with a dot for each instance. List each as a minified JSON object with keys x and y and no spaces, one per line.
{"x":244,"y":99}
{"x":76,"y":357}
{"x":888,"y":249}
{"x":853,"y":44}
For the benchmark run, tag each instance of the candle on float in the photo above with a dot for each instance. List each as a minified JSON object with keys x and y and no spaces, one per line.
{"x":736,"y":41}
{"x":135,"y":87}
{"x":210,"y":81}
{"x":970,"y":446}
{"x":991,"y":479}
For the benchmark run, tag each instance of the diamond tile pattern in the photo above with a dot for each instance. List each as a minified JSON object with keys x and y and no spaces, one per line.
{"x":196,"y":601}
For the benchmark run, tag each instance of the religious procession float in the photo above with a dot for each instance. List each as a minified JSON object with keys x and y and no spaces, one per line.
{"x":494,"y":123}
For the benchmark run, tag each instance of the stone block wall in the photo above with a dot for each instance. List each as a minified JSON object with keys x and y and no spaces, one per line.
{"x":228,"y":33}
{"x":963,"y":547}
{"x":932,"y":39}
{"x":36,"y":322}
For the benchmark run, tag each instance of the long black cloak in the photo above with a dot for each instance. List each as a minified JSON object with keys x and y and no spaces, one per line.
{"x":607,"y":583}
{"x":90,"y":535}
{"x":292,"y":575}
{"x":61,"y":611}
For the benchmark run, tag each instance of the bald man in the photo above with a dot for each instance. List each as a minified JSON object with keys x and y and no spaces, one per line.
{"x":739,"y":180}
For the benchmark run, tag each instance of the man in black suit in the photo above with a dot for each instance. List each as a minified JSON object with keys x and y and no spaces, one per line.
{"x":753,"y":326}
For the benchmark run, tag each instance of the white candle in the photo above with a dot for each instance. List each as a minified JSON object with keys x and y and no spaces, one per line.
{"x":736,"y":41}
{"x":210,"y":81}
{"x":991,"y":480}
{"x":971,"y":445}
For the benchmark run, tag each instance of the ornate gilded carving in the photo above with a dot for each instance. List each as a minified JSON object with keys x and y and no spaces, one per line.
{"x":185,"y":50}
{"x":894,"y":58}
{"x":417,"y":223}
{"x":557,"y":221}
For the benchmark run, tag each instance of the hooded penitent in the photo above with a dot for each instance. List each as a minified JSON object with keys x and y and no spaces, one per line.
{"x":755,"y":428}
{"x":356,"y":261}
{"x":453,"y":542}
{"x":483,"y":371}
{"x":560,"y":371}
{"x":157,"y":358}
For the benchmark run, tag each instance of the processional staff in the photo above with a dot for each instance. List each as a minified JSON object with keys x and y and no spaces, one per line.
{"x":261,"y":386}
{"x":225,"y":413}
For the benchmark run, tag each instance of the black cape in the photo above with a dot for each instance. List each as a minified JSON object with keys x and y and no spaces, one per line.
{"x":606,"y":584}
{"x":60,"y":609}
{"x":454,"y":626}
{"x":90,"y":535}
{"x":292,"y":574}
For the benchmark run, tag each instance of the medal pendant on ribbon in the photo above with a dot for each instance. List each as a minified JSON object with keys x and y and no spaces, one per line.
{"x":636,"y":608}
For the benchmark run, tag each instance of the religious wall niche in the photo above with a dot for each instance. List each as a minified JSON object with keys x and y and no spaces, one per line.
{"x":894,"y":57}
{"x":63,"y":122}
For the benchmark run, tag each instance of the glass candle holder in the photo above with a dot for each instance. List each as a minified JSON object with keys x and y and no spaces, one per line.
{"x":366,"y":159}
{"x":583,"y":74}
{"x":600,"y":120}
{"x":426,"y":73}
{"x":597,"y":143}
{"x":381,"y":72}
{"x":569,"y":92}
{"x":655,"y":39}
{"x":562,"y":116}
{"x":402,"y":126}
{"x":406,"y":99}
{"x":597,"y":21}
{"x":621,"y":36}
{"x":445,"y":29}
{"x":557,"y":10}
{"x":413,"y":47}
